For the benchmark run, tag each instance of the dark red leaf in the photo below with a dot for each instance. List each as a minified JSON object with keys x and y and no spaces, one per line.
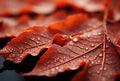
{"x":30,"y":41}
{"x":12,"y":27}
{"x":89,"y":45}
{"x":87,"y":5}
{"x":27,"y":42}
{"x":113,"y":31}
{"x":16,"y":7}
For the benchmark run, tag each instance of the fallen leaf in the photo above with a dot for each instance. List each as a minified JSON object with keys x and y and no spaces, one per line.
{"x":113,"y":31}
{"x":30,"y":41}
{"x":89,"y":45}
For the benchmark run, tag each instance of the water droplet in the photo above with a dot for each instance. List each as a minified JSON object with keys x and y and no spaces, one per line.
{"x":20,"y":56}
{"x":100,"y":68}
{"x":56,"y":68}
{"x":20,"y":51}
{"x":86,"y":48}
{"x":92,"y":62}
{"x":100,"y":54}
{"x":107,"y":46}
{"x":98,"y":71}
{"x":17,"y":59}
{"x":108,"y":39}
{"x":99,"y":33}
{"x":75,"y":39}
{"x":32,"y":38}
{"x":52,"y":70}
{"x":38,"y":38}
{"x":92,"y":45}
{"x":84,"y":56}
{"x":98,"y":61}
{"x":105,"y":69}
{"x":64,"y":35}
{"x":103,"y":79}
{"x":88,"y":36}
{"x":12,"y":55}
{"x":81,"y":47}
{"x":70,"y":37}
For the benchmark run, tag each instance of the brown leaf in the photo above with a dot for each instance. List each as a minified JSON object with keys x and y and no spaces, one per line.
{"x":113,"y":31}
{"x":89,"y":45}
{"x":12,"y":27}
{"x":16,"y":7}
{"x":27,"y":45}
{"x":87,"y":5}
{"x":74,"y":23}
{"x":81,"y":75}
{"x":30,"y":41}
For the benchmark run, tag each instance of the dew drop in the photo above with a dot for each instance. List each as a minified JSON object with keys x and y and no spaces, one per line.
{"x":17,"y":59}
{"x":32,"y":38}
{"x":20,"y":56}
{"x":81,"y":46}
{"x":20,"y":51}
{"x":88,"y":36}
{"x":103,"y":79}
{"x":12,"y":55}
{"x":56,"y":68}
{"x":92,"y":62}
{"x":86,"y":48}
{"x":105,"y":69}
{"x":84,"y":56}
{"x":101,"y":55}
{"x":38,"y":38}
{"x":70,"y":37}
{"x":107,"y":46}
{"x":99,"y":33}
{"x":92,"y":45}
{"x":98,"y":61}
{"x":98,"y":71}
{"x":75,"y":39}
{"x":52,"y":70}
{"x":100,"y":68}
{"x":108,"y":39}
{"x":64,"y":35}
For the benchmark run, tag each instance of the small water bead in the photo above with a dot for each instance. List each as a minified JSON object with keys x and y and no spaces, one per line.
{"x":92,"y":45}
{"x":56,"y":68}
{"x":99,"y":33}
{"x":100,"y":54}
{"x":12,"y":55}
{"x":75,"y":39}
{"x":38,"y":38}
{"x":103,"y":79}
{"x":64,"y":35}
{"x":98,"y":61}
{"x":20,"y":51}
{"x":81,"y":46}
{"x":107,"y":46}
{"x":84,"y":56}
{"x":104,"y":68}
{"x":86,"y":48}
{"x":33,"y":38}
{"x":92,"y":62}
{"x":100,"y":68}
{"x":70,"y":37}
{"x":98,"y":71}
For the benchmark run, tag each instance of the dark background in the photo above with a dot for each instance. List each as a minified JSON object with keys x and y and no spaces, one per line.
{"x":9,"y":75}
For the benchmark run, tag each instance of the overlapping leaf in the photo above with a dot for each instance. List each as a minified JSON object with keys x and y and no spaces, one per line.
{"x":72,"y":42}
